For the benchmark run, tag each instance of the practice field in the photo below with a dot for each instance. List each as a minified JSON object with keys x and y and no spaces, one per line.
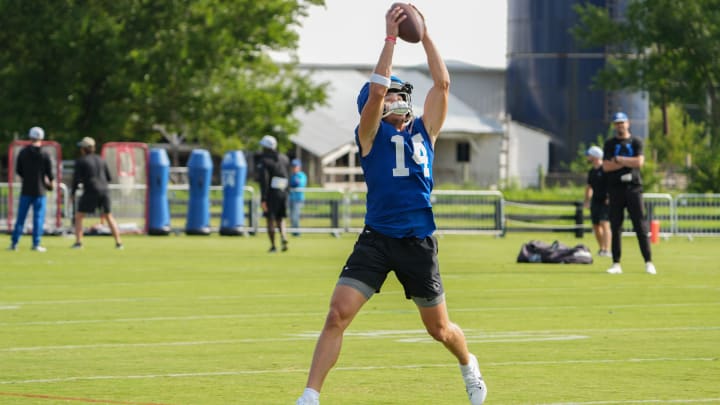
{"x":217,"y":320}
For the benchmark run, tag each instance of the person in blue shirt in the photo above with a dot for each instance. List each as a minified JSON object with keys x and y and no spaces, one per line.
{"x":34,"y":166}
{"x":396,"y":150}
{"x":298,"y":182}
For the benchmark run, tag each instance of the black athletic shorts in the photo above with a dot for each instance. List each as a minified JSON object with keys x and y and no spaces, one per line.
{"x":414,"y":261}
{"x":599,"y":211}
{"x":91,"y":202}
{"x":276,"y":207}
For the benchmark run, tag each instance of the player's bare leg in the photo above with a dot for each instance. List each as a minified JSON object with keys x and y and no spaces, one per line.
{"x":79,"y":216}
{"x":344,"y":305}
{"x":605,"y":230}
{"x":438,"y":325}
{"x":113,"y":228}
{"x":283,"y":236}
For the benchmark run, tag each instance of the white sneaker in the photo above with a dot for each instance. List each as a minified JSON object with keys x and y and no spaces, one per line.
{"x":615,"y":269}
{"x":474,"y":384}
{"x":306,"y":401}
{"x":650,"y":268}
{"x":39,"y":248}
{"x":604,"y":253}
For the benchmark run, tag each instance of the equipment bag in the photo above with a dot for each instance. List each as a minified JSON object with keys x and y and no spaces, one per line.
{"x":537,"y":251}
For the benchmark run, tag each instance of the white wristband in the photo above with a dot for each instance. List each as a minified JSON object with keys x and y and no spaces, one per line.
{"x":381,"y":80}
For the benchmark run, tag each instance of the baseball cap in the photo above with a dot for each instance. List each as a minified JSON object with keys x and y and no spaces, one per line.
{"x":296,"y":162}
{"x":595,"y":151}
{"x":86,"y":142}
{"x":36,"y":133}
{"x":268,"y":141}
{"x":619,"y":117}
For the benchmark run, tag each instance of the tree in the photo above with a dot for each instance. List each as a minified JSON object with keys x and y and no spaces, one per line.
{"x":665,"y":47}
{"x":115,"y":69}
{"x":686,"y":140}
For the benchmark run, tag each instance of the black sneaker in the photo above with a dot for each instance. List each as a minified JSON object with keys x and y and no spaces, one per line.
{"x":76,"y":245}
{"x":284,"y":246}
{"x":272,"y":249}
{"x":119,"y":246}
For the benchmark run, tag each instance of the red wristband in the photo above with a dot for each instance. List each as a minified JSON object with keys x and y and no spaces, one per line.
{"x":391,"y":38}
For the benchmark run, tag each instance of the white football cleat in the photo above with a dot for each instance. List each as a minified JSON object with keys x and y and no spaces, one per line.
{"x":615,"y":269}
{"x":474,"y":383}
{"x":305,"y":401}
{"x":650,"y":268}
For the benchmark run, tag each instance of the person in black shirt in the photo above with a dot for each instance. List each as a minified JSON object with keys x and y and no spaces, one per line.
{"x":623,"y":158}
{"x":272,"y":170}
{"x":596,"y":198}
{"x":93,"y":173}
{"x":35,"y":168}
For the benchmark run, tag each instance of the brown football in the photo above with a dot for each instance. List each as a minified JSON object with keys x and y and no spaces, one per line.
{"x":413,"y":27}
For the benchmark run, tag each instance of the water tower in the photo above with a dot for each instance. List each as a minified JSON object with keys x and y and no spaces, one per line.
{"x":549,"y":77}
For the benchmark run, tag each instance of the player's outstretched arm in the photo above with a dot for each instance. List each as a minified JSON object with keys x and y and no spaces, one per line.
{"x":372,"y":112}
{"x":436,"y":102}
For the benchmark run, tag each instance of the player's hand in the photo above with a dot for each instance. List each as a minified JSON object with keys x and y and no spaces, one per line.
{"x":393,"y":18}
{"x":263,"y":205}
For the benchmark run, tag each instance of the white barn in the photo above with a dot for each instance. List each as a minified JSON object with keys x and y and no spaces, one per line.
{"x":478,"y":146}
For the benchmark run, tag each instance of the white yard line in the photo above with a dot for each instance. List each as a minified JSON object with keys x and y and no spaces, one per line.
{"x":366,"y":312}
{"x":324,"y":294}
{"x":402,"y":336}
{"x":640,"y":401}
{"x":363,"y":368}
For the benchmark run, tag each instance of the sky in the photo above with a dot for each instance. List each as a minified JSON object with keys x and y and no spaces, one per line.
{"x":352,"y":32}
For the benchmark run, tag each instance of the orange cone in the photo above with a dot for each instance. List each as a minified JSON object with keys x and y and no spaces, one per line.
{"x":654,"y":231}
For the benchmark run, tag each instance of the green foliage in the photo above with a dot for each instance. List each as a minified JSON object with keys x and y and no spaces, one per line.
{"x":651,"y":176}
{"x":685,"y":136}
{"x":664,"y":46}
{"x":669,"y":49}
{"x":705,"y":171}
{"x":112,"y":70}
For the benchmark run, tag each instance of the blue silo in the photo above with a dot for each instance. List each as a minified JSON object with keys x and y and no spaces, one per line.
{"x":549,"y":77}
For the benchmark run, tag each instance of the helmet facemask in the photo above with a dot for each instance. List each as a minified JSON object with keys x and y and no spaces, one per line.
{"x":403,"y":106}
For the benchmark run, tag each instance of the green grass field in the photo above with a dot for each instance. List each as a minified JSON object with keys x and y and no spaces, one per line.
{"x":217,"y":320}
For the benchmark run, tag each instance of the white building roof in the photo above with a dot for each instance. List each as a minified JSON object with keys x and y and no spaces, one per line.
{"x":332,"y":126}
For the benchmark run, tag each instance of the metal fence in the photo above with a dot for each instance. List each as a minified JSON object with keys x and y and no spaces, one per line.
{"x":545,"y":216}
{"x":456,"y":211}
{"x":658,"y":207}
{"x":339,"y":211}
{"x":696,"y":214}
{"x":55,"y":201}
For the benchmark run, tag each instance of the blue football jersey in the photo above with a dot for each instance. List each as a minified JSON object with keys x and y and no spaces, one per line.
{"x":398,"y":174}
